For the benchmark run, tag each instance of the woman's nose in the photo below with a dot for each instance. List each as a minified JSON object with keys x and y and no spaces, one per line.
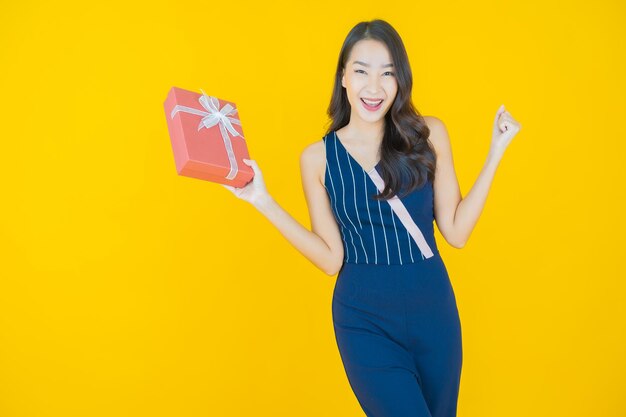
{"x":373,"y":84}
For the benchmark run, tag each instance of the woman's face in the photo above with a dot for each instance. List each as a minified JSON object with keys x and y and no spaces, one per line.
{"x":369,"y":76}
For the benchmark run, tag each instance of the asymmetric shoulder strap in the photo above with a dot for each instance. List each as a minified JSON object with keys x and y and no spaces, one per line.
{"x":403,"y":214}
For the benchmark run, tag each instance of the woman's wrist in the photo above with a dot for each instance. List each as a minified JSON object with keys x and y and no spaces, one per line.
{"x":263,"y":203}
{"x":494,"y":156}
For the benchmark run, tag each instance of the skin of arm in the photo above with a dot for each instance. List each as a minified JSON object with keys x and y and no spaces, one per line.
{"x":456,"y":216}
{"x":323,"y":245}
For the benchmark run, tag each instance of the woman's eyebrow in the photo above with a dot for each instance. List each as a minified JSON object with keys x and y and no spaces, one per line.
{"x":367,"y":65}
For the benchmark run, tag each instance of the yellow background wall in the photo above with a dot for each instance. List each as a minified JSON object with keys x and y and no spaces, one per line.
{"x":127,"y":290}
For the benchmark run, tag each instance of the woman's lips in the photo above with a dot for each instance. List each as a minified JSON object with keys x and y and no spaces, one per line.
{"x":371,"y":107}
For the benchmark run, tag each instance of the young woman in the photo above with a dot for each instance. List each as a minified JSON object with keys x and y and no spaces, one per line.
{"x":394,"y":310}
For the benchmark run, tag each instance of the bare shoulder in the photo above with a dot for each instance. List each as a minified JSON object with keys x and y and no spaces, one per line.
{"x":313,"y":159}
{"x":438,"y":133}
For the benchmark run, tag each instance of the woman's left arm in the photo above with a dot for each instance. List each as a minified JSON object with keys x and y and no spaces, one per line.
{"x":456,"y":216}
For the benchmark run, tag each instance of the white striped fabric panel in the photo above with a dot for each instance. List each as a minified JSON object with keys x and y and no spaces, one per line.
{"x":404,"y":216}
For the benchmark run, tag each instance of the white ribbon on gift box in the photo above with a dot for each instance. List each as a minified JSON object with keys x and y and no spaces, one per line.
{"x":214,"y":115}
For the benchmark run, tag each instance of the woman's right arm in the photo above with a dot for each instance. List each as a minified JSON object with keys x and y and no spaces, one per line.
{"x":323,"y":245}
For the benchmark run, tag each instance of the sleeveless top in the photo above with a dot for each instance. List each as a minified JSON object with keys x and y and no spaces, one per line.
{"x":371,"y":231}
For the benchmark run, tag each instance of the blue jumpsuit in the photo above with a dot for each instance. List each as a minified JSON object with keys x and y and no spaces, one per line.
{"x":394,"y":310}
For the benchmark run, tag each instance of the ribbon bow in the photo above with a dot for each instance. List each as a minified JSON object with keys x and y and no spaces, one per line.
{"x":212,"y":116}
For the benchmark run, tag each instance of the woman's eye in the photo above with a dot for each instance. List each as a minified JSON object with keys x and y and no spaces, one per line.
{"x":360,"y":71}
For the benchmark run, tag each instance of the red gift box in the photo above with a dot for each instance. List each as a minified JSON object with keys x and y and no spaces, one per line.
{"x":207,"y":139}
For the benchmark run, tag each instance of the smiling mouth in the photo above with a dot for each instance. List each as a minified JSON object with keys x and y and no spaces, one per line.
{"x":371,"y":105}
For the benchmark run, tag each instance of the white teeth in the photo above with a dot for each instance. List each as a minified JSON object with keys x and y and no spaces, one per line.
{"x":372,"y":103}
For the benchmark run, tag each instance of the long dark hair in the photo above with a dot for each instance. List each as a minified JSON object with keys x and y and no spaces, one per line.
{"x":405,"y":150}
